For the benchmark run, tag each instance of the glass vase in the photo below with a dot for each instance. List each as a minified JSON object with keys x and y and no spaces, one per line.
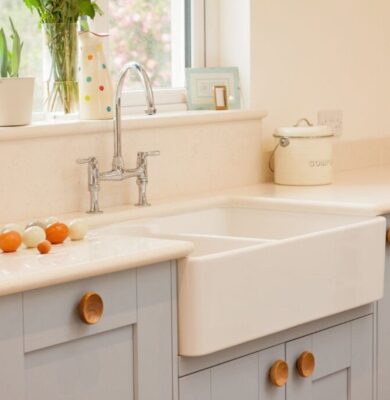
{"x":60,"y":68}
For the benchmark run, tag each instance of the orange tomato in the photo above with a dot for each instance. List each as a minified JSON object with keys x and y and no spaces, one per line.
{"x":10,"y":241}
{"x":44,"y":247}
{"x":56,"y":233}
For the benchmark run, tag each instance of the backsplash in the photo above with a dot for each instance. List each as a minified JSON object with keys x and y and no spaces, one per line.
{"x":364,"y":153}
{"x":40,"y":175}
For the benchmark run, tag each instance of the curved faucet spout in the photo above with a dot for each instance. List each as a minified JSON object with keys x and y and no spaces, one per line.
{"x":118,"y":163}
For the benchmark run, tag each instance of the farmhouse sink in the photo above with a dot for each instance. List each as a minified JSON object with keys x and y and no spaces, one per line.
{"x":255,"y":272}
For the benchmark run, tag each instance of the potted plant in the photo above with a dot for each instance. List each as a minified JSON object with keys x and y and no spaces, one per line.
{"x":59,"y":19}
{"x":16,"y":93}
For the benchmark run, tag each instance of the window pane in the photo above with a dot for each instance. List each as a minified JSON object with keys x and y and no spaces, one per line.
{"x":27,"y":26}
{"x":141,"y":30}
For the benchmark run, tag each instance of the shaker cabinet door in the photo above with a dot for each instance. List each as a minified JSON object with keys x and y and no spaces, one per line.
{"x":343,"y":363}
{"x":383,"y":345}
{"x":98,"y":367}
{"x":269,"y":390}
{"x":234,"y":380}
{"x":126,"y":355}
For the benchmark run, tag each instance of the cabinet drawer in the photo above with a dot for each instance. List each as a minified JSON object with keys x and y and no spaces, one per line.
{"x":51,"y":315}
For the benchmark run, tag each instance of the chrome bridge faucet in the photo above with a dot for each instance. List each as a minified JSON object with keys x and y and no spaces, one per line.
{"x":118,"y":171}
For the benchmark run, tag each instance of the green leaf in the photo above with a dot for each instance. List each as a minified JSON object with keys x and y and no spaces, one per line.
{"x":16,"y":51}
{"x":31,"y":4}
{"x":84,"y":24}
{"x":3,"y":54}
{"x":57,"y":11}
{"x":86,"y":8}
{"x":98,"y":10}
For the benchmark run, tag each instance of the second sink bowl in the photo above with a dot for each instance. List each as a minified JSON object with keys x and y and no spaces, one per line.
{"x":255,"y":272}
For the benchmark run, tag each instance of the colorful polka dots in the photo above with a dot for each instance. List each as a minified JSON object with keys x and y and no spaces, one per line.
{"x":96,"y":94}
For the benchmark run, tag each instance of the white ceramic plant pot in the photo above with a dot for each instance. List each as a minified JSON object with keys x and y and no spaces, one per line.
{"x":16,"y":100}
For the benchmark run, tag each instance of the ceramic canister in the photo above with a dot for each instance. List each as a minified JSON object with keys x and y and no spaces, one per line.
{"x":95,"y":84}
{"x":303,"y":155}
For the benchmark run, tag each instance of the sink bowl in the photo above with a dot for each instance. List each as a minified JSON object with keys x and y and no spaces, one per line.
{"x":249,"y":222}
{"x":255,"y":272}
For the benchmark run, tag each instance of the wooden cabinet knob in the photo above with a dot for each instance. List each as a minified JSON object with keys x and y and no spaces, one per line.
{"x":91,"y":308}
{"x":278,"y":374}
{"x":306,"y":364}
{"x":388,"y":236}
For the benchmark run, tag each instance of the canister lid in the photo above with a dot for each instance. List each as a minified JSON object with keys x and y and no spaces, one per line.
{"x":307,"y":131}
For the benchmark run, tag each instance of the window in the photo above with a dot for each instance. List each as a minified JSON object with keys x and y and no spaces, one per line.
{"x":143,"y":31}
{"x":31,"y":64}
{"x":152,"y":32}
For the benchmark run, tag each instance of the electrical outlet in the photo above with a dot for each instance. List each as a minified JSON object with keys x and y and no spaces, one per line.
{"x":333,"y":119}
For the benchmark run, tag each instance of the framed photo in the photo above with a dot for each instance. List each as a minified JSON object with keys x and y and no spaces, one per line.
{"x":201,"y":83}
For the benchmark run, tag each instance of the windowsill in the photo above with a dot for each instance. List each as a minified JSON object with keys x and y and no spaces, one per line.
{"x":76,"y":127}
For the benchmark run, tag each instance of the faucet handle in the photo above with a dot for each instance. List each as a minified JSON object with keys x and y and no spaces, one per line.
{"x":89,"y":160}
{"x":145,"y":154}
{"x":142,"y":180}
{"x":93,"y":183}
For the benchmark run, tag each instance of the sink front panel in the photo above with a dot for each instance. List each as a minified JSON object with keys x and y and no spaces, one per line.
{"x":229,"y":299}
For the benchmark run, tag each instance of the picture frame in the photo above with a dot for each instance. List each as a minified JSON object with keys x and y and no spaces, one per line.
{"x":200,"y":84}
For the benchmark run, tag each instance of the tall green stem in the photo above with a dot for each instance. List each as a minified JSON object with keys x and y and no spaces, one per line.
{"x":61,"y":80}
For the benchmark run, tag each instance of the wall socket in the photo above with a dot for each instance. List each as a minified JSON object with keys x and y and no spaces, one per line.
{"x":333,"y":119}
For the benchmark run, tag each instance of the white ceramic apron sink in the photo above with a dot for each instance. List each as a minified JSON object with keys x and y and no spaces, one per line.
{"x":255,"y":272}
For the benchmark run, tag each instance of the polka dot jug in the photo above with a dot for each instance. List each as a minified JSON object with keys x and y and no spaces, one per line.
{"x":95,"y":84}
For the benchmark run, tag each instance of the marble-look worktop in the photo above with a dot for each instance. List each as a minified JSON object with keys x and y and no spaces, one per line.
{"x":359,"y":192}
{"x":364,"y":192}
{"x":96,"y":255}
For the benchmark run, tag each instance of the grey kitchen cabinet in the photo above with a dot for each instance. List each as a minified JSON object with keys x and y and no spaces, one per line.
{"x":246,"y":378}
{"x":267,"y":390}
{"x":344,"y":369}
{"x":383,"y":334}
{"x":237,"y":379}
{"x":344,"y":363}
{"x":49,"y":353}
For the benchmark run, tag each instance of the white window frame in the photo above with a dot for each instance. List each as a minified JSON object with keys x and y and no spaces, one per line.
{"x":170,"y":99}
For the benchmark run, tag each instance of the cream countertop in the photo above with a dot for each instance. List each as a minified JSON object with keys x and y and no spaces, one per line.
{"x":359,"y":192}
{"x":96,"y":255}
{"x":363,"y":192}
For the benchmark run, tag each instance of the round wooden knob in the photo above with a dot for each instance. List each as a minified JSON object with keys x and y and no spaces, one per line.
{"x":91,"y":308}
{"x":306,"y":364}
{"x":388,"y":236}
{"x":278,"y":374}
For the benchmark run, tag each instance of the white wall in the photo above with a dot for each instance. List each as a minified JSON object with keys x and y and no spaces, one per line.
{"x":302,"y":56}
{"x":310,"y":55}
